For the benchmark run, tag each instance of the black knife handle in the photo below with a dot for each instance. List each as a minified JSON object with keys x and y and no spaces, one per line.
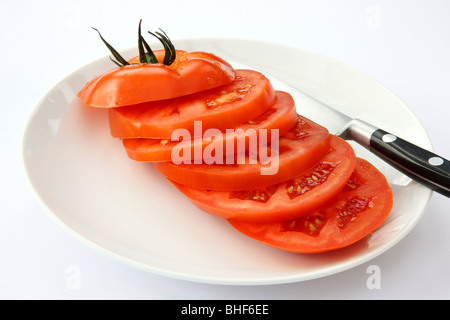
{"x":417,"y":163}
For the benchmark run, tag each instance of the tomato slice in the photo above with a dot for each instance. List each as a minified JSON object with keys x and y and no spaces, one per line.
{"x":298,"y":150}
{"x":357,"y":211}
{"x":281,"y":115}
{"x":137,"y":83}
{"x":251,"y":94}
{"x":287,"y":200}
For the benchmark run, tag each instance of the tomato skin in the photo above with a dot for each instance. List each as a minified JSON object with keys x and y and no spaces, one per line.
{"x":249,"y":95}
{"x":279,"y":206}
{"x":332,"y":235}
{"x":137,"y":83}
{"x":281,"y":115}
{"x":296,"y":156}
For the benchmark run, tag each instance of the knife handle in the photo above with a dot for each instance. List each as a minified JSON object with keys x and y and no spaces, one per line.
{"x":419,"y":164}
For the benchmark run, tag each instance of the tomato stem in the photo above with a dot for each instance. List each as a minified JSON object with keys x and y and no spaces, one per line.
{"x":145,"y":57}
{"x":120,"y":60}
{"x":169,"y":48}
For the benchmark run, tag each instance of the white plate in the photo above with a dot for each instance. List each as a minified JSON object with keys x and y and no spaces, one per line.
{"x":127,"y":210}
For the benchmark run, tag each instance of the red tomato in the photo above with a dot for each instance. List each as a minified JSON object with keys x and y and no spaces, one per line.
{"x":137,"y":83}
{"x":251,"y":94}
{"x":299,"y":149}
{"x":287,"y":200}
{"x":358,"y":210}
{"x":281,"y":115}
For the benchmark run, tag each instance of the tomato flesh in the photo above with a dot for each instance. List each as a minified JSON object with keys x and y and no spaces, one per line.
{"x":281,"y":115}
{"x":299,"y":149}
{"x":250,"y":95}
{"x":137,"y":83}
{"x":275,"y":202}
{"x":357,"y":210}
{"x":321,"y":197}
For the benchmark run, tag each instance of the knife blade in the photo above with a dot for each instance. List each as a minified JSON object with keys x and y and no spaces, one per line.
{"x":419,"y":164}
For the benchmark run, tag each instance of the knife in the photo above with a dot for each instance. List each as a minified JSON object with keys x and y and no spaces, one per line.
{"x":419,"y":164}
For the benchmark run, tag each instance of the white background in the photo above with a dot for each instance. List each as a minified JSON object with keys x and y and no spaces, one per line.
{"x":404,"y":44}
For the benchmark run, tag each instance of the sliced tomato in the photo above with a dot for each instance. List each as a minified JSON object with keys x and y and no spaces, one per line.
{"x":287,"y":200}
{"x":137,"y":83}
{"x":281,"y":115}
{"x":251,"y":94}
{"x":358,"y":210}
{"x":298,"y":150}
